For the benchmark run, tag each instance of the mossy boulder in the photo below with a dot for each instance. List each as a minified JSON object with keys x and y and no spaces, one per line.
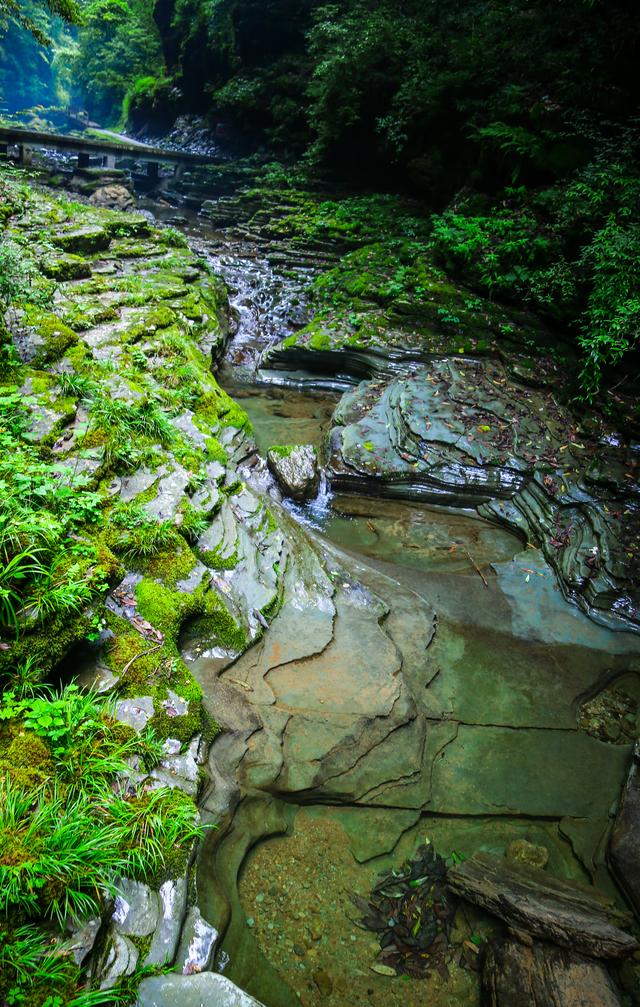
{"x":296,"y":468}
{"x":66,"y":267}
{"x":83,"y":240}
{"x":44,"y":337}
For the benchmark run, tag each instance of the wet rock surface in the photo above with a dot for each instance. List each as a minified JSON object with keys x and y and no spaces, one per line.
{"x":385,"y":703}
{"x":625,"y":837}
{"x":461,"y":432}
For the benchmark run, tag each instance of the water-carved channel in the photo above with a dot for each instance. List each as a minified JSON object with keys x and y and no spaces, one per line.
{"x":424,"y":678}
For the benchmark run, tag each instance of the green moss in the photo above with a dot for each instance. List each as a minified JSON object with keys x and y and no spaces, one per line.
{"x":172,"y":565}
{"x":127,"y":225}
{"x":66,"y":267}
{"x":27,"y":749}
{"x":27,"y":760}
{"x":283,"y":450}
{"x":215,"y":451}
{"x":320,"y":341}
{"x":215,"y":558}
{"x":234,"y":488}
{"x":148,"y":324}
{"x":83,"y":315}
{"x":46,"y":646}
{"x":53,"y":337}
{"x":271,"y":609}
{"x":218,"y":623}
{"x":183,"y":728}
{"x":272,"y":524}
{"x":83,"y":240}
{"x":163,"y":608}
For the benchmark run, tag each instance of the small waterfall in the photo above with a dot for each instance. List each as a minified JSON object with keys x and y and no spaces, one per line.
{"x":313,"y":513}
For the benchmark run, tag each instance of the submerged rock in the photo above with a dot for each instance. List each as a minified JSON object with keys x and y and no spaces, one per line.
{"x":521,"y":851}
{"x":462,"y":432}
{"x":296,"y":469}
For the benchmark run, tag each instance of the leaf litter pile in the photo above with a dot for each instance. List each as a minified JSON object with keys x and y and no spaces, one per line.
{"x":412,"y":911}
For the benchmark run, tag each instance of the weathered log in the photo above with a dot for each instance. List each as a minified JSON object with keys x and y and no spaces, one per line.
{"x":579,"y":918}
{"x":624,"y":847}
{"x":544,"y":976}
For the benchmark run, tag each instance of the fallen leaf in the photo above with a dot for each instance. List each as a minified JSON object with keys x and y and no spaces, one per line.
{"x":383,"y":970}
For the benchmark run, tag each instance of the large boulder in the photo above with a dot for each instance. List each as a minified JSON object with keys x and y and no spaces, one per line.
{"x":115,"y":197}
{"x":295,"y":466}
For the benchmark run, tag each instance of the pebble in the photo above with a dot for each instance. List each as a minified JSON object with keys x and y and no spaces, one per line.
{"x":250,"y":921}
{"x":323,"y":981}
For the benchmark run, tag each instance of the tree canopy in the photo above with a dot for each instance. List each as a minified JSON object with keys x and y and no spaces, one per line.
{"x":13,"y":11}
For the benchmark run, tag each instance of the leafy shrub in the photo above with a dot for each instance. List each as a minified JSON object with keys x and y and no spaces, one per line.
{"x":610,"y":327}
{"x":498,"y":252}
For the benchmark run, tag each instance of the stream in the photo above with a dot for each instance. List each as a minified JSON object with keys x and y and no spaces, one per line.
{"x":422,"y":679}
{"x":495,"y":743}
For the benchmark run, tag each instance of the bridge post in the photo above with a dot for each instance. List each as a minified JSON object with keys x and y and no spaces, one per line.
{"x":109,"y":161}
{"x":25,"y":154}
{"x":4,"y":149}
{"x":153,"y":170}
{"x":84,"y":159}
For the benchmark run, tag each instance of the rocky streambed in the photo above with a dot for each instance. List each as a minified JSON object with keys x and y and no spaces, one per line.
{"x":443,"y":650}
{"x":435,"y":673}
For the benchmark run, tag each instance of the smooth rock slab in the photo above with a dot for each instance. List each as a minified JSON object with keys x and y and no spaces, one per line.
{"x":197,"y":943}
{"x":494,"y":770}
{"x":135,"y":913}
{"x":173,"y":902}
{"x":82,"y":939}
{"x":519,"y":976}
{"x":208,"y":989}
{"x":532,"y":901}
{"x":120,"y":959}
{"x":135,"y":712}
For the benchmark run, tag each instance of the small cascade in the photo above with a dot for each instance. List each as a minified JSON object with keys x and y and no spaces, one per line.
{"x":316,"y":512}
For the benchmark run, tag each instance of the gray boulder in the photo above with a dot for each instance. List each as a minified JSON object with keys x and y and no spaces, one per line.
{"x":115,"y":197}
{"x":205,"y":988}
{"x":296,"y":469}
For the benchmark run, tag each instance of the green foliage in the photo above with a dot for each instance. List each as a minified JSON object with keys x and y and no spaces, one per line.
{"x":12,"y":11}
{"x":63,"y":845}
{"x":497,"y":252}
{"x":118,"y":48}
{"x":610,"y":327}
{"x":120,"y":419}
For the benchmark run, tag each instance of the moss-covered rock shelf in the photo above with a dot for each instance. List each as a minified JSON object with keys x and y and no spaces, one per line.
{"x":124,"y":519}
